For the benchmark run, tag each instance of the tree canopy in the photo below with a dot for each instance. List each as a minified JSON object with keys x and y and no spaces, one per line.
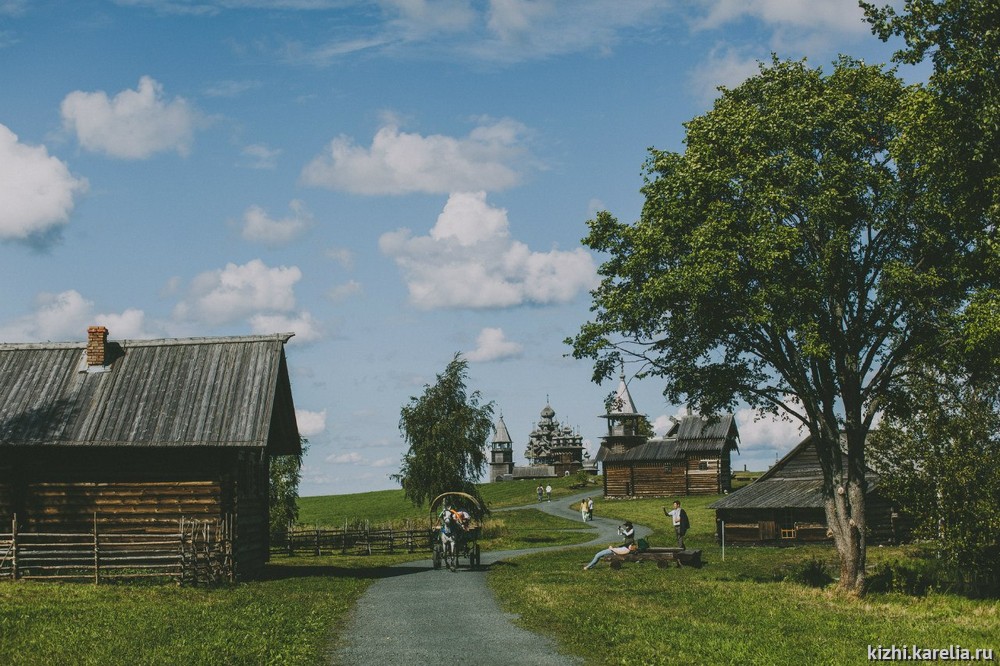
{"x":788,"y":258}
{"x":447,"y":429}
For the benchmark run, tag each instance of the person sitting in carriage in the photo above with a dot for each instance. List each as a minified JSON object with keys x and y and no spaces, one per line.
{"x":453,"y":526}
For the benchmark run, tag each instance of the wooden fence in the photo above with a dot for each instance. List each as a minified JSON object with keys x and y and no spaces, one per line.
{"x":197,"y":552}
{"x":361,"y":539}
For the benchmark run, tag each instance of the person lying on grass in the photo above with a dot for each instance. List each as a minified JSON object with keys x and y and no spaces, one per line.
{"x":610,"y":550}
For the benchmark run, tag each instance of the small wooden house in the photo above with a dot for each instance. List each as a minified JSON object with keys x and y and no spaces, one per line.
{"x":692,"y":459}
{"x":785,"y":505}
{"x":136,"y":434}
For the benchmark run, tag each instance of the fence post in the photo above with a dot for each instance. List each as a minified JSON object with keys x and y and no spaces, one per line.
{"x":97,"y":564}
{"x":13,"y":548}
{"x":343,"y":539}
{"x":317,"y":540}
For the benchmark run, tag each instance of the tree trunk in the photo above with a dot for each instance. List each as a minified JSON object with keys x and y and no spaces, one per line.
{"x":845,"y":514}
{"x":844,"y":501}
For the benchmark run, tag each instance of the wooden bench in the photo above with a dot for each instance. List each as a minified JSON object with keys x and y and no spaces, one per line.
{"x":662,"y":556}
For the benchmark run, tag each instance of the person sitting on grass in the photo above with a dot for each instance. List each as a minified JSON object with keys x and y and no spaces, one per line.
{"x":610,"y":550}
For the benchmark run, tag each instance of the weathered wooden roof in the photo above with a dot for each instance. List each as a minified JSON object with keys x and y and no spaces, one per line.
{"x":716,"y":431}
{"x":795,"y":481}
{"x":691,"y":434}
{"x":217,"y":392}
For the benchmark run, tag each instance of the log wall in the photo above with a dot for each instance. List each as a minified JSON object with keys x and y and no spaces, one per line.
{"x":60,"y":489}
{"x":665,"y":478}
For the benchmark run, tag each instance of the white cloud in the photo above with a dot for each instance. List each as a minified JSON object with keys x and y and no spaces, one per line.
{"x":492,"y":345}
{"x":259,"y":227}
{"x":342,"y":292}
{"x":400,"y":163}
{"x":342,"y":256}
{"x":766,"y":433}
{"x":37,"y":191}
{"x":844,"y":16}
{"x":65,"y":317}
{"x":259,"y":156}
{"x":386,"y":462}
{"x":469,"y":260}
{"x":420,"y":18}
{"x":310,"y":423}
{"x":226,"y":295}
{"x":726,"y":66}
{"x":135,"y":124}
{"x":345,"y":458}
{"x":303,"y":325}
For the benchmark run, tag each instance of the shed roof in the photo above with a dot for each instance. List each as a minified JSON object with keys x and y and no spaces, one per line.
{"x":216,"y":392}
{"x":795,"y":481}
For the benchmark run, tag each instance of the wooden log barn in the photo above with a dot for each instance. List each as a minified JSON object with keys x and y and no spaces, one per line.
{"x":134,"y":436}
{"x":785,"y":506}
{"x":694,"y":458}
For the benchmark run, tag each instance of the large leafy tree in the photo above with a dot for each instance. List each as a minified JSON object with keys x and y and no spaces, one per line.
{"x":447,"y":429}
{"x":783,"y":259}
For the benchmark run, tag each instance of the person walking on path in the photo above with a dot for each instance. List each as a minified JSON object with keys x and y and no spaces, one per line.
{"x":539,"y":490}
{"x":680,"y":520}
{"x":548,"y":492}
{"x":590,"y":508}
{"x":583,"y":509}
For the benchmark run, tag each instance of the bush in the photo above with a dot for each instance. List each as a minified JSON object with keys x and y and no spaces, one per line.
{"x":813,"y":573}
{"x":912,"y":577}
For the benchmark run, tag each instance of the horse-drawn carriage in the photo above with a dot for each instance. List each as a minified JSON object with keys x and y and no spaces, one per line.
{"x":456,"y":521}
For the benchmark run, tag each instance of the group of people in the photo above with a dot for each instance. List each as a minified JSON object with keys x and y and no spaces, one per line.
{"x":544,"y":492}
{"x":677,"y":516}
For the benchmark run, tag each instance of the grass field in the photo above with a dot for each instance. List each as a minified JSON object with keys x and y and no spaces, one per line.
{"x":746,"y":609}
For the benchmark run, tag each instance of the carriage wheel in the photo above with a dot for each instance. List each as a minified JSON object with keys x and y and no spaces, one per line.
{"x":437,"y":556}
{"x":474,"y":557}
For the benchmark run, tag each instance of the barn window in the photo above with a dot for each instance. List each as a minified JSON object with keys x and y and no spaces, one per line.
{"x":668,"y":467}
{"x":703,"y":466}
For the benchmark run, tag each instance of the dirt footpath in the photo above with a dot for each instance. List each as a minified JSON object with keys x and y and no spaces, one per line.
{"x":452,"y":617}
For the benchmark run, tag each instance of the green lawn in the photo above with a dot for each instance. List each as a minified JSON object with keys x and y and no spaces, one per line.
{"x":741,"y":610}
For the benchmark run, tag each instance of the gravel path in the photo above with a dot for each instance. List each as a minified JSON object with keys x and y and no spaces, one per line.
{"x":429,"y":615}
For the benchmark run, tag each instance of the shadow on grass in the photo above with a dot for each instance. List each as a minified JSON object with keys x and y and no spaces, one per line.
{"x":284,"y":571}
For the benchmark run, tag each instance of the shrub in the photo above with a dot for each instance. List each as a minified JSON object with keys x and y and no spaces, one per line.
{"x":813,"y":573}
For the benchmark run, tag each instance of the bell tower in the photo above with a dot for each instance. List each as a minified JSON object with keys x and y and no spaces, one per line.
{"x":501,"y":451}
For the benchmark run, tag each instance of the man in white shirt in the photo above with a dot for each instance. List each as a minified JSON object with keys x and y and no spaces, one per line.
{"x":680,"y":521}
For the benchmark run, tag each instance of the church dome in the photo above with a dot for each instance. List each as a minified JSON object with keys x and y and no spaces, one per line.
{"x":548,"y":412}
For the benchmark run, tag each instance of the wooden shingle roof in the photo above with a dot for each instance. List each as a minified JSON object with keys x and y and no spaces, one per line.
{"x":216,"y":392}
{"x":795,"y":481}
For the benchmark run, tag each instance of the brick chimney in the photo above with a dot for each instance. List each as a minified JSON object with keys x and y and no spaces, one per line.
{"x":97,"y":345}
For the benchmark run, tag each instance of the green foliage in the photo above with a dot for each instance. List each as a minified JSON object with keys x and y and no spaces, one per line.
{"x":938,"y":453}
{"x":283,"y":490}
{"x":792,"y":251}
{"x":447,"y":430}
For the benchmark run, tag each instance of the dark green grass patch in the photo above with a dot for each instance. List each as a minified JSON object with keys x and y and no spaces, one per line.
{"x":287,"y":618}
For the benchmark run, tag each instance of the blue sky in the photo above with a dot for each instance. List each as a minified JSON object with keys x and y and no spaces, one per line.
{"x":393,"y":180}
